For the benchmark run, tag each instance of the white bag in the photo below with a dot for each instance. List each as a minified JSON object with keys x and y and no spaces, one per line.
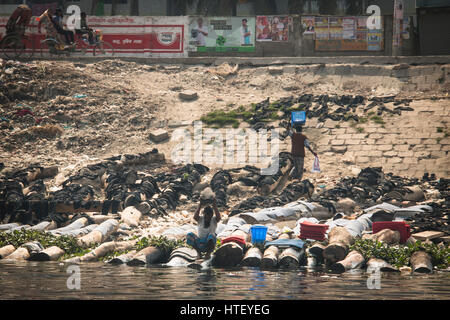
{"x":316,"y":165}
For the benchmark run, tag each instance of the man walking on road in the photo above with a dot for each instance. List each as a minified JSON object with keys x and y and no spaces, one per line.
{"x":299,"y":142}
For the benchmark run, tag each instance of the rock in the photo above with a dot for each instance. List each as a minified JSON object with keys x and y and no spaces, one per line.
{"x":379,"y":264}
{"x":199,"y":187}
{"x":188,"y":95}
{"x":291,"y":258}
{"x":228,"y":255}
{"x":131,"y":216}
{"x":339,"y":149}
{"x":275,"y":70}
{"x":6,"y":251}
{"x":252,"y":257}
{"x":405,"y":270}
{"x":147,"y":255}
{"x":235,"y":188}
{"x":159,"y":135}
{"x":33,"y":247}
{"x":352,"y":261}
{"x":346,"y":205}
{"x":20,"y":254}
{"x":421,"y":262}
{"x":50,"y":254}
{"x":339,"y":241}
{"x":270,"y":257}
{"x":387,"y":236}
{"x":123,"y":259}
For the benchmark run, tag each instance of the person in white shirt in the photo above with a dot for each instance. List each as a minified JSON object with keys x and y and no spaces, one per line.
{"x":202,"y":32}
{"x":205,"y":239}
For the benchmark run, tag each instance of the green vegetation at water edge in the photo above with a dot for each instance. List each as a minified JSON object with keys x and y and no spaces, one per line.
{"x":160,"y":242}
{"x":19,"y":237}
{"x":399,"y":255}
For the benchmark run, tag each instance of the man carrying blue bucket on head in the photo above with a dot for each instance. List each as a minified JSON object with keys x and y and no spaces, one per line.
{"x":299,"y":142}
{"x":205,"y":240}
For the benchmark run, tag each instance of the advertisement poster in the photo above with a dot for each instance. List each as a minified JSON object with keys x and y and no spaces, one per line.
{"x":335,"y":28}
{"x":405,"y":28}
{"x":222,"y":34}
{"x":361,"y":28}
{"x":348,"y":28}
{"x":308,"y":25}
{"x":166,"y":39}
{"x":374,"y":38}
{"x":272,"y":28}
{"x":321,"y":28}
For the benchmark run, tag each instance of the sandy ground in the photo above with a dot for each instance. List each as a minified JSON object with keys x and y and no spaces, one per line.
{"x":124,"y":101}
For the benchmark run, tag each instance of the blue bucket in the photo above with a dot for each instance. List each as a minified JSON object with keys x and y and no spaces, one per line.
{"x":298,"y":118}
{"x":258,"y":233}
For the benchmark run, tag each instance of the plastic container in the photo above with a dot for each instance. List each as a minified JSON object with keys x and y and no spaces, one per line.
{"x":313,"y":231}
{"x":400,"y":226}
{"x":258,"y":233}
{"x":298,"y":118}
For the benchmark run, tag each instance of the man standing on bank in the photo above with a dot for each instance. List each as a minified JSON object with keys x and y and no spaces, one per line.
{"x":205,"y":240}
{"x":299,"y":142}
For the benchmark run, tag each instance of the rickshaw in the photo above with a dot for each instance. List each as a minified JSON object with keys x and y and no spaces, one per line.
{"x":54,"y":45}
{"x":15,"y":43}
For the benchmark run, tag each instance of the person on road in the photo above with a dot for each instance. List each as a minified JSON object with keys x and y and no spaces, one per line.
{"x":84,"y":28}
{"x":49,"y":26}
{"x":19,"y":20}
{"x":58,"y":21}
{"x":205,"y":240}
{"x":299,"y":142}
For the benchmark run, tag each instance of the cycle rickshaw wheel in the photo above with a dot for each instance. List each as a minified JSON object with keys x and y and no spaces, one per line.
{"x":106,"y":51}
{"x":49,"y":48}
{"x":12,"y":47}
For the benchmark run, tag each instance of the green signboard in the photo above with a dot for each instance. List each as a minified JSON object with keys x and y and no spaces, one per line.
{"x":222,"y":34}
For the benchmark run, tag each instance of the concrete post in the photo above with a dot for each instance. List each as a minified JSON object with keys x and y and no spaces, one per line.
{"x":397,"y":21}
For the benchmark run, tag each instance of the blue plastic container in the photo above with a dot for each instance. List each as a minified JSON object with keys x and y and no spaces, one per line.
{"x":258,"y":233}
{"x":298,"y":118}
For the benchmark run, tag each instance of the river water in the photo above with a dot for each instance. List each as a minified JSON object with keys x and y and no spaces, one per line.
{"x":49,"y":280}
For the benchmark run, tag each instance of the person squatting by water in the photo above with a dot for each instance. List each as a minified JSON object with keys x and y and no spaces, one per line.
{"x":299,"y":142}
{"x":205,"y":240}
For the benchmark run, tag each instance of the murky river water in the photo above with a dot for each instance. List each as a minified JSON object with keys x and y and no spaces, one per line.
{"x":37,"y":280}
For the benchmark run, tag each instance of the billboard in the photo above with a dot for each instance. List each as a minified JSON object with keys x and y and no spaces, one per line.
{"x":272,"y":28}
{"x":222,"y":34}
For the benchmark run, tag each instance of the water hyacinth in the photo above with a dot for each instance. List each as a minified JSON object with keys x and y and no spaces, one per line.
{"x":19,"y":237}
{"x":400,"y":255}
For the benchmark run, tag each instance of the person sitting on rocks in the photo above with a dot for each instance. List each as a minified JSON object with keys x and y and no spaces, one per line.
{"x":299,"y":142}
{"x":205,"y":240}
